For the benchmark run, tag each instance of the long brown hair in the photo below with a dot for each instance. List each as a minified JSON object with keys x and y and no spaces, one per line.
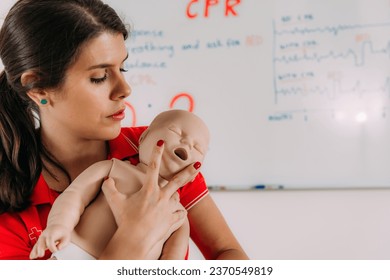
{"x":43,"y":36}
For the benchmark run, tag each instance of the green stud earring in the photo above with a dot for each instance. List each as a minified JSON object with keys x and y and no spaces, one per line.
{"x":43,"y":101}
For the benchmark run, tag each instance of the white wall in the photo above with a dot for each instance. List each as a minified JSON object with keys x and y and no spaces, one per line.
{"x":308,"y":224}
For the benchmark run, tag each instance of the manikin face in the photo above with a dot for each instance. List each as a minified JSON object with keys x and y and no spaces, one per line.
{"x":186,"y":141}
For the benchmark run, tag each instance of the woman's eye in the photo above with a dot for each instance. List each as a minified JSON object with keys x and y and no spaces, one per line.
{"x":99,"y":80}
{"x":123,"y":68}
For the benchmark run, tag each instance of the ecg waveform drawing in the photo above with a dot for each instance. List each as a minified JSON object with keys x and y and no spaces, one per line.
{"x":330,"y":67}
{"x":358,"y":57}
{"x":332,"y":29}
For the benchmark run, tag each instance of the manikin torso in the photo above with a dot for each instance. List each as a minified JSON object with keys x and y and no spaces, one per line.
{"x":97,"y":224}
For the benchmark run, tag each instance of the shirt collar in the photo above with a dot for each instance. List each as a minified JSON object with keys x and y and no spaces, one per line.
{"x":123,"y":147}
{"x":42,"y":194}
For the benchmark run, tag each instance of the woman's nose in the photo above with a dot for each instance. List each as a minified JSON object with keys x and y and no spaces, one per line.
{"x":121,"y":89}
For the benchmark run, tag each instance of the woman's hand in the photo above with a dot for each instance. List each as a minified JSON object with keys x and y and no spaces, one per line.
{"x":149,"y":216}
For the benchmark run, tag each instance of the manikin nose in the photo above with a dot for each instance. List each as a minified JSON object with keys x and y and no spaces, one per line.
{"x":181,"y":153}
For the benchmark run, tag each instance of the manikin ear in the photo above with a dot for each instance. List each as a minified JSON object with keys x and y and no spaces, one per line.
{"x":37,"y":95}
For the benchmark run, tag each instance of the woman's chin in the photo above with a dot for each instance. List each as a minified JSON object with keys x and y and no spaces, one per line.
{"x":113,"y":132}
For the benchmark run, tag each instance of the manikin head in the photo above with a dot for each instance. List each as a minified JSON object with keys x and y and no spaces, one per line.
{"x":186,"y":140}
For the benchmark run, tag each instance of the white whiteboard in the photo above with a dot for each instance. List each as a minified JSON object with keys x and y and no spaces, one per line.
{"x":294,"y":92}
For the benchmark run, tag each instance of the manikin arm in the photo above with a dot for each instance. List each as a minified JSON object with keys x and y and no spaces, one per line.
{"x":69,"y":206}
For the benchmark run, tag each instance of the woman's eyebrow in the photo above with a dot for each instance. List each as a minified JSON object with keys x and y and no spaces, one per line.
{"x":105,"y":65}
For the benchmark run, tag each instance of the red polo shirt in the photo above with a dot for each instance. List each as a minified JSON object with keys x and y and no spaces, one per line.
{"x":20,"y":231}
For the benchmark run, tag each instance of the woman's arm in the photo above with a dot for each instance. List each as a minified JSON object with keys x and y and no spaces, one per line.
{"x":176,"y":247}
{"x":211,"y":234}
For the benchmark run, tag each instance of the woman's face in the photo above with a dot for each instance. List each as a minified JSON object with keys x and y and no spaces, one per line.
{"x":91,"y":102}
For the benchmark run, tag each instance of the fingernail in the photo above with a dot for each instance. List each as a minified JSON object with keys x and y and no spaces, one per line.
{"x":160,"y":143}
{"x":197,"y":165}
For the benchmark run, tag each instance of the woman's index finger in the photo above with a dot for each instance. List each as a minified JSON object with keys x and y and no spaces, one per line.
{"x":152,"y":173}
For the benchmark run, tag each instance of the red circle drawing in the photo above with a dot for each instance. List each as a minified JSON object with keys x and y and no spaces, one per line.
{"x":132,"y":112}
{"x":183,"y":95}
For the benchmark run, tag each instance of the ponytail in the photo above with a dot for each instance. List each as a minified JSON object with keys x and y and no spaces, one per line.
{"x":20,"y":163}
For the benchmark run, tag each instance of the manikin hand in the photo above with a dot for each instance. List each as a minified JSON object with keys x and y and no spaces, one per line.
{"x":152,"y":213}
{"x":54,"y":238}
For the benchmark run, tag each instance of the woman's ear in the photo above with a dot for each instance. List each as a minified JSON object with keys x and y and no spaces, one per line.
{"x":39,"y":96}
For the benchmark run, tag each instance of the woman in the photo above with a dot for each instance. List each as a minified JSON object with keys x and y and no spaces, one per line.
{"x":62,"y":96}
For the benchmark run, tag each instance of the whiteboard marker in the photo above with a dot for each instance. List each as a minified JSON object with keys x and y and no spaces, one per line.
{"x":268,"y":187}
{"x":242,"y":188}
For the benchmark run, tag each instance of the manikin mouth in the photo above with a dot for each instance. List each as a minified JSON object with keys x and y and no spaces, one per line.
{"x":181,"y":153}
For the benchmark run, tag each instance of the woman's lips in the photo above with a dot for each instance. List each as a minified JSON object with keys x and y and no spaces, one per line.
{"x":120,"y":115}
